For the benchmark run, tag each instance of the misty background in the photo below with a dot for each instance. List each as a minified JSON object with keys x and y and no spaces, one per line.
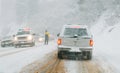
{"x":53,"y":14}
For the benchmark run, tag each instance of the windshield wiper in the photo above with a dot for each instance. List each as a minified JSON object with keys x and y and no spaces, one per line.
{"x":75,"y":36}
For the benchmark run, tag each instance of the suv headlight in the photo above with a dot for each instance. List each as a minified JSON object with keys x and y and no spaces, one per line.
{"x":15,"y":38}
{"x":30,"y":37}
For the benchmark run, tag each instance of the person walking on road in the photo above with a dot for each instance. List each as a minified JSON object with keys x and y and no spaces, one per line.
{"x":46,"y":37}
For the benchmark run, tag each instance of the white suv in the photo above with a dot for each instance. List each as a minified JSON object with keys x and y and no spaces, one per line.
{"x":75,"y":41}
{"x":24,"y":38}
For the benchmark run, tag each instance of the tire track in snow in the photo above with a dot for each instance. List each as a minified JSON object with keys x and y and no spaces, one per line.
{"x":87,"y":66}
{"x":53,"y":65}
{"x":49,"y":64}
{"x":73,"y":66}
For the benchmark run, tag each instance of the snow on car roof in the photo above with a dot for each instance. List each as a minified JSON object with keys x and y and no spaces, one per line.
{"x":75,"y":26}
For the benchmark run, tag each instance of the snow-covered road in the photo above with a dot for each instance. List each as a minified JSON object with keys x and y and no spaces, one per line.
{"x":13,"y":63}
{"x":11,"y":50}
{"x":53,"y":65}
{"x":43,"y":58}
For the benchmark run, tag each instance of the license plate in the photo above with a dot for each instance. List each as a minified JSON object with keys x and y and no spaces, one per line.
{"x":75,"y":50}
{"x":22,"y":42}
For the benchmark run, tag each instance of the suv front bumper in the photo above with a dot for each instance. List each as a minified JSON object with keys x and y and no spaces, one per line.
{"x":23,"y":42}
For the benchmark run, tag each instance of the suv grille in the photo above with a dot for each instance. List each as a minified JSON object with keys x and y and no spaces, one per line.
{"x":22,"y":37}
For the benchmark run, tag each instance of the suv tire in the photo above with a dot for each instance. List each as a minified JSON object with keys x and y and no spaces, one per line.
{"x":60,"y":55}
{"x":89,"y":55}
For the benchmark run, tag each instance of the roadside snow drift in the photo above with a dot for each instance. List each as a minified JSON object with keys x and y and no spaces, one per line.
{"x":107,"y":44}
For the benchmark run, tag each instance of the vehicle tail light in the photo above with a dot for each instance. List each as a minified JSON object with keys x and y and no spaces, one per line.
{"x":59,"y":42}
{"x":91,"y":42}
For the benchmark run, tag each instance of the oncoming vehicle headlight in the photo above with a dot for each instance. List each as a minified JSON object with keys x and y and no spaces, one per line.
{"x":40,"y":39}
{"x":30,"y":37}
{"x":15,"y":38}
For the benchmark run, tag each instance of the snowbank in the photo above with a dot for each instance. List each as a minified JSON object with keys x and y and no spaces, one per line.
{"x":107,"y":44}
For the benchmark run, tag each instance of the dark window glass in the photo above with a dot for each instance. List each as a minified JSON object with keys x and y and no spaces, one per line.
{"x":74,"y":31}
{"x":23,"y":32}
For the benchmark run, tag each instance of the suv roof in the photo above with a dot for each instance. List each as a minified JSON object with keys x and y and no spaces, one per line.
{"x":75,"y":26}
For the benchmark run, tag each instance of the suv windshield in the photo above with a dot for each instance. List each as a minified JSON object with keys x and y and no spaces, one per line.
{"x":75,"y":31}
{"x":23,"y":32}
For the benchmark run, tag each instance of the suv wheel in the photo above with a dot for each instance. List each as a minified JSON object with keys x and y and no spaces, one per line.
{"x":89,"y":55}
{"x":2,"y":45}
{"x":32,"y":44}
{"x":16,"y":46}
{"x":60,"y":55}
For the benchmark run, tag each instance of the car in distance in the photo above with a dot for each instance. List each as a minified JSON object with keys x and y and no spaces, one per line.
{"x":7,"y":41}
{"x":24,"y":37}
{"x":75,"y":41}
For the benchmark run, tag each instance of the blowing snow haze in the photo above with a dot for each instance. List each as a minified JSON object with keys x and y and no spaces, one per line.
{"x":53,"y":14}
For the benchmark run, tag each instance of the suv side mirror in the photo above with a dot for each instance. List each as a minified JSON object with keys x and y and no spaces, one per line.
{"x":92,"y":36}
{"x":33,"y":34}
{"x":13,"y":35}
{"x":58,"y":34}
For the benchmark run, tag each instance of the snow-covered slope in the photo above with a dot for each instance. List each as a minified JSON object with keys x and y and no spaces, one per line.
{"x":44,"y":14}
{"x":107,"y":44}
